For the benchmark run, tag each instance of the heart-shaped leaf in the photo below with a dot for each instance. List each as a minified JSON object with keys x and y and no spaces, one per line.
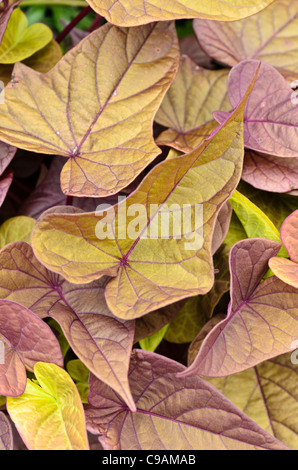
{"x":96,"y":106}
{"x":189,"y":103}
{"x":152,"y":268}
{"x":50,"y":414}
{"x":270,"y":173}
{"x":20,"y":41}
{"x":128,"y":13}
{"x":6,"y":441}
{"x":101,"y":341}
{"x":268,"y":394}
{"x":287,"y":269}
{"x":27,"y":339}
{"x":172,"y":413}
{"x":271,"y":114}
{"x":262,"y":320}
{"x":270,"y":35}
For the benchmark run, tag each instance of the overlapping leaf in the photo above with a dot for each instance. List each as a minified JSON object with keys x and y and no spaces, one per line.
{"x":287,"y":269}
{"x":42,"y":61}
{"x":270,"y":35}
{"x":151,"y":270}
{"x":255,"y":222}
{"x":189,"y":103}
{"x":6,"y":442}
{"x":268,"y":394}
{"x":102,"y":342}
{"x":27,"y":340}
{"x":270,"y":173}
{"x":96,"y":106}
{"x":128,"y":13}
{"x":172,"y":413}
{"x":20,"y":41}
{"x":262,"y":320}
{"x":48,"y":194}
{"x":271,"y":115}
{"x":50,"y":415}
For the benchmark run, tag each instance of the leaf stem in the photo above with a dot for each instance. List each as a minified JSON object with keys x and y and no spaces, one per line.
{"x":96,"y":23}
{"x":73,"y":23}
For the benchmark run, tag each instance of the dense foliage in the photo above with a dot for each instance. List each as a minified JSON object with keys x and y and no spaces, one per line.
{"x":149,"y":237}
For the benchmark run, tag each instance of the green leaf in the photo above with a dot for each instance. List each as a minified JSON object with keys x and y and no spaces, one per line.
{"x":20,"y":41}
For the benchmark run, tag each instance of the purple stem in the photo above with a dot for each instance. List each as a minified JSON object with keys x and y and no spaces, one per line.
{"x":73,"y":23}
{"x":96,"y":23}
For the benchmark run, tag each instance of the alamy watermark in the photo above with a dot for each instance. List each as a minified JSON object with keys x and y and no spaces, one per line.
{"x":151,"y":221}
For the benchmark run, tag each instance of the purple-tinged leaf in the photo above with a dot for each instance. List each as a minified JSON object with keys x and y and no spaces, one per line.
{"x":27,"y":340}
{"x":172,"y":413}
{"x":262,"y":320}
{"x":7,"y":152}
{"x":5,"y":183}
{"x":101,"y":341}
{"x":6,"y":440}
{"x":271,"y":114}
{"x":190,"y":46}
{"x":270,"y":173}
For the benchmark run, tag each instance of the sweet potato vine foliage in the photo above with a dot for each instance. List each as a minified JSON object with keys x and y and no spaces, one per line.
{"x":149,"y":225}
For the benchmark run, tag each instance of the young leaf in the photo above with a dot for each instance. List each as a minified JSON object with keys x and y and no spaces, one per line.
{"x":270,"y":35}
{"x":16,"y":229}
{"x":102,"y":342}
{"x":20,"y":41}
{"x":172,"y":413}
{"x":27,"y":340}
{"x":268,"y":394}
{"x":254,"y":221}
{"x":189,"y":103}
{"x":150,"y":272}
{"x":262,"y":320}
{"x":50,"y":415}
{"x":96,"y":106}
{"x":271,"y":115}
{"x":6,"y":441}
{"x":270,"y":173}
{"x":128,"y":13}
{"x":287,"y":269}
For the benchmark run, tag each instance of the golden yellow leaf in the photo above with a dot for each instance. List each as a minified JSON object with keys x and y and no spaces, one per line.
{"x":96,"y":106}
